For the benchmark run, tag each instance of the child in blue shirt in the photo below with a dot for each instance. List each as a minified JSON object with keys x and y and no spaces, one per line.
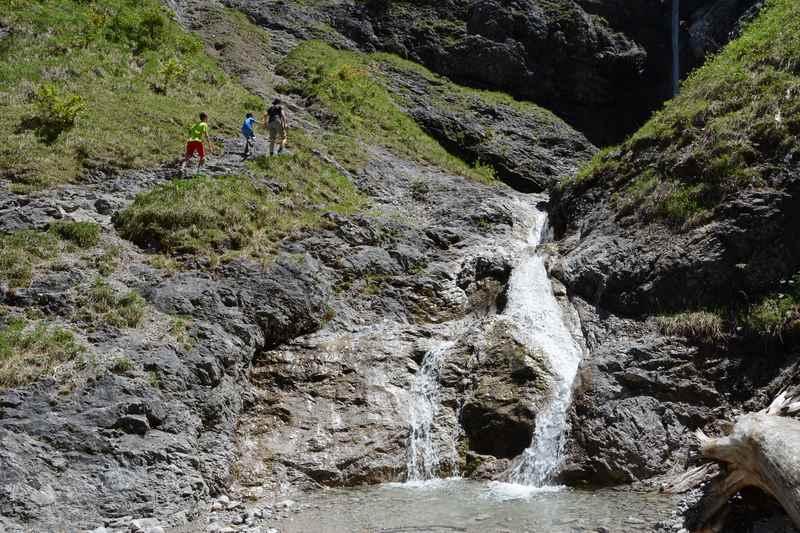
{"x":249,"y":133}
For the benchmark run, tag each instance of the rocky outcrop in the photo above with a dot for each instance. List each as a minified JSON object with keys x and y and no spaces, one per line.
{"x":632,"y":267}
{"x":555,"y":54}
{"x":332,"y":408}
{"x":528,"y":147}
{"x":712,"y":25}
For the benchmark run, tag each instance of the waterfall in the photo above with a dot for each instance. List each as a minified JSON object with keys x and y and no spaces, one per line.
{"x":676,"y":46}
{"x":532,"y":305}
{"x":423,"y":457}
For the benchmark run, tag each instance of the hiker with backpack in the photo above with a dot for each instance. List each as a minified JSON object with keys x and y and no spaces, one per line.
{"x":248,"y":133}
{"x":277,"y":126}
{"x":197,"y":142}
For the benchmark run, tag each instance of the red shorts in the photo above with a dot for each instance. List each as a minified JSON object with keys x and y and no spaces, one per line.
{"x":195,"y":147}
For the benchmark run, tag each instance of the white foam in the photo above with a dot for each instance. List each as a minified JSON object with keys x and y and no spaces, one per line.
{"x":500,"y":491}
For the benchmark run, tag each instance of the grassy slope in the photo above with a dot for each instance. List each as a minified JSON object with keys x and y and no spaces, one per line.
{"x":362,"y":109}
{"x":119,"y":56}
{"x":734,"y":125}
{"x":235,"y":216}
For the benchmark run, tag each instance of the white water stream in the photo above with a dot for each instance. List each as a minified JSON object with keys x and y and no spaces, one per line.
{"x":676,"y":46}
{"x":423,"y":457}
{"x":538,"y":317}
{"x":533,"y":306}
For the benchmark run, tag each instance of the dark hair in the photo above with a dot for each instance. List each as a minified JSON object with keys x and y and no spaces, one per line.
{"x":249,"y":115}
{"x":277,"y":101}
{"x":203,"y":116}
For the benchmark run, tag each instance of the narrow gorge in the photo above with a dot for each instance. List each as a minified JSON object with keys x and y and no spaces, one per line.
{"x":525,"y":266}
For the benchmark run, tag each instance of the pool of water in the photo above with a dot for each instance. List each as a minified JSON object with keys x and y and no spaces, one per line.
{"x":467,"y":506}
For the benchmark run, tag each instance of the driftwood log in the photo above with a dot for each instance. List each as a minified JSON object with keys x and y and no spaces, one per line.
{"x":761,"y":450}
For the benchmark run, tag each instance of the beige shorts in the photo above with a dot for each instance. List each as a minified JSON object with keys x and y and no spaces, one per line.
{"x":277,"y":133}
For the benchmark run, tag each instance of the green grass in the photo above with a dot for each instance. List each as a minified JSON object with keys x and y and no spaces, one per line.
{"x":734,"y":126}
{"x":22,"y":251}
{"x":236,"y":216}
{"x":100,"y":304}
{"x":102,"y":84}
{"x":777,"y":314}
{"x":361,"y":108}
{"x":122,"y":365}
{"x":179,"y":328}
{"x":30,"y":351}
{"x":82,"y":234}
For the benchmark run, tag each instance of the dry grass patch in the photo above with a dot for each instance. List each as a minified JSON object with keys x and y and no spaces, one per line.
{"x":30,"y":351}
{"x":700,"y":326}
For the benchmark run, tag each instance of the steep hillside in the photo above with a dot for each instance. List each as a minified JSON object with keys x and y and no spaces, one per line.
{"x":94,"y":87}
{"x":602,"y":65}
{"x":687,"y":229}
{"x":188,"y":349}
{"x":713,"y":177}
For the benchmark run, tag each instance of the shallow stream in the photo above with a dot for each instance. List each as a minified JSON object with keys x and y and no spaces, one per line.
{"x":469,"y":506}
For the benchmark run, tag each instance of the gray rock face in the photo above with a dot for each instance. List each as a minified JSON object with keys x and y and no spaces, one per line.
{"x":529,"y":148}
{"x":630,"y":269}
{"x":554,"y":54}
{"x":641,"y":394}
{"x":638,"y":397}
{"x":332,"y":407}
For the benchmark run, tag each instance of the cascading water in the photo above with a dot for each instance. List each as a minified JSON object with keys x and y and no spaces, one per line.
{"x":676,"y":48}
{"x":532,"y":305}
{"x":423,"y":457}
{"x":533,"y":309}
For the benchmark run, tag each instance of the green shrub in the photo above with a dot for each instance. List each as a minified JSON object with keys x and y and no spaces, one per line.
{"x":57,"y":112}
{"x":179,"y":327}
{"x":82,"y":234}
{"x":30,"y":351}
{"x":122,"y":365}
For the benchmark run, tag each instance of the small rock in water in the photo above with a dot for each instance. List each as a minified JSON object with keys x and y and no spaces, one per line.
{"x":286,"y":504}
{"x":146,"y":525}
{"x":482,"y":517}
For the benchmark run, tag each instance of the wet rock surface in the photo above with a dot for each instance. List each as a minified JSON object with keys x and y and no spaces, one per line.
{"x":296,"y":375}
{"x":303,"y":364}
